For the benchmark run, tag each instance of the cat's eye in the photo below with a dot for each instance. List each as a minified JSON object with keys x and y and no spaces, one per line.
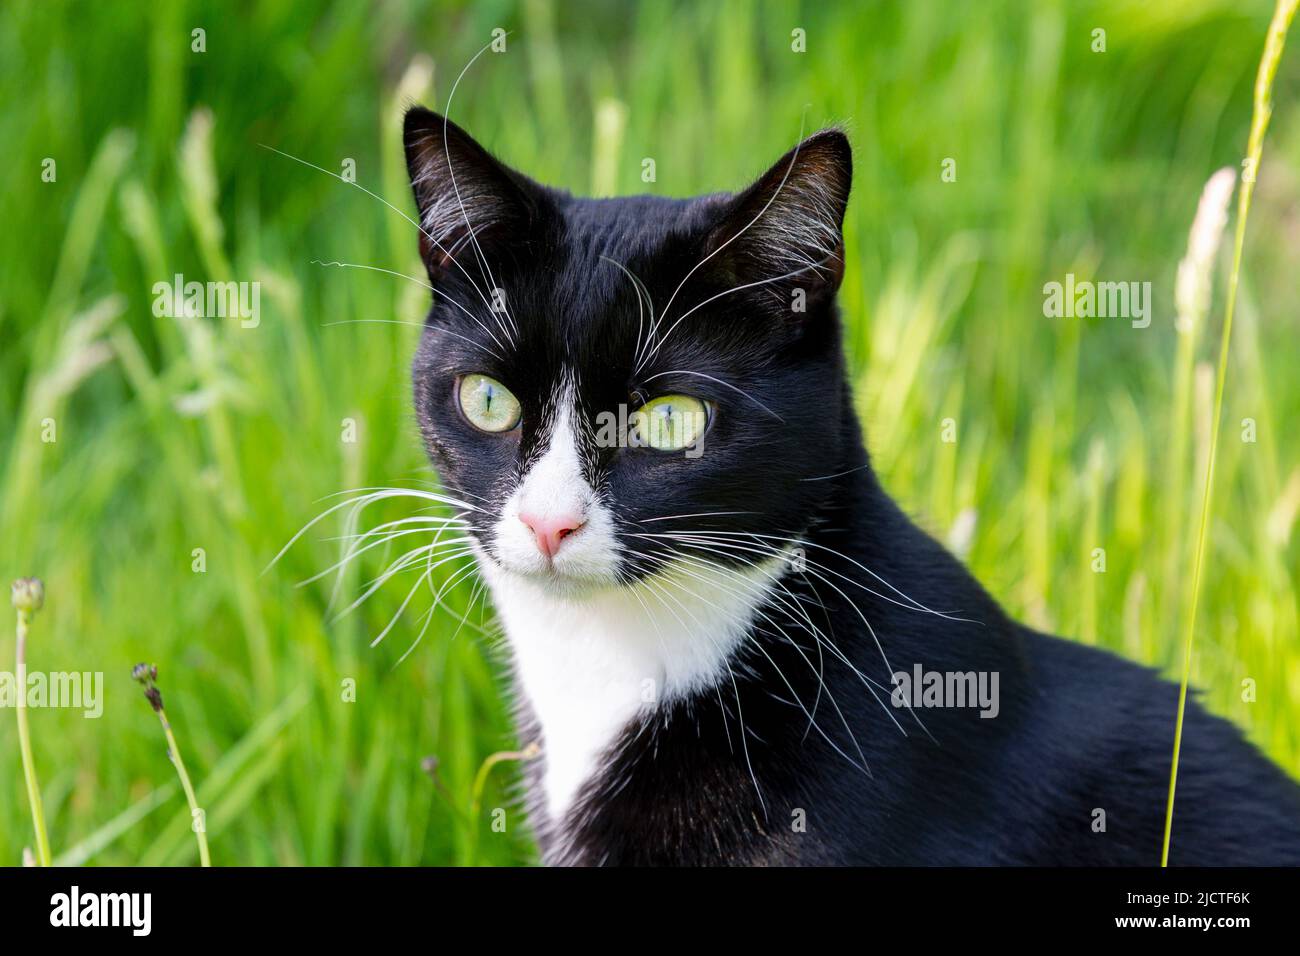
{"x":487,"y":404}
{"x":669,"y":423}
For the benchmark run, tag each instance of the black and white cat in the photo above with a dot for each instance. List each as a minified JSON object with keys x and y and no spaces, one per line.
{"x":707,"y":601}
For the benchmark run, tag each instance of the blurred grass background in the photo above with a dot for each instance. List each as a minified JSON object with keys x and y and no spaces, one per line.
{"x":174,"y":435}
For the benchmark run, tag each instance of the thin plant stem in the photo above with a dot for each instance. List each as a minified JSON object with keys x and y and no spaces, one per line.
{"x":146,"y":675}
{"x":1283,"y":14}
{"x":195,"y":813}
{"x":25,"y":744}
{"x":480,"y":782}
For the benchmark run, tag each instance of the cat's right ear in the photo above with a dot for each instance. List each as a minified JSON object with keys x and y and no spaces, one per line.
{"x":465,"y":196}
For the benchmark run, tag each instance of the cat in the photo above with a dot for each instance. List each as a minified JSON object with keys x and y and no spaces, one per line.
{"x":714,"y":613}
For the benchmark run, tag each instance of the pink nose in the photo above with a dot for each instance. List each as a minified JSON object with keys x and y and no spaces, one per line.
{"x":551,"y":530}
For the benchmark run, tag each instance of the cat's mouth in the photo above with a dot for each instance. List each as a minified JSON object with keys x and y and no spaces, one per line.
{"x":586,"y":561}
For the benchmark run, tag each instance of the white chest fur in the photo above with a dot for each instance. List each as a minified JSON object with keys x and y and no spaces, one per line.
{"x":588,"y":666}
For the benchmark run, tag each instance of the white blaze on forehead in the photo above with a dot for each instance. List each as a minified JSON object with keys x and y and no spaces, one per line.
{"x":555,"y":485}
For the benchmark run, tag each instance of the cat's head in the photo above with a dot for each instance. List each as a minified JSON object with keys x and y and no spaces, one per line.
{"x":607,"y":380}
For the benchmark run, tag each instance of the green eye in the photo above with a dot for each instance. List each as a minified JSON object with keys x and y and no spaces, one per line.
{"x":488,"y":404}
{"x":670,"y":422}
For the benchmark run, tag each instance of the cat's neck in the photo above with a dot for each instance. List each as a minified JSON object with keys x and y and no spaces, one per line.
{"x":588,"y":666}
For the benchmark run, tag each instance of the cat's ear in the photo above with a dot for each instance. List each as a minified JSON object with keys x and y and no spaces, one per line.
{"x":785,"y":232}
{"x":464,"y":195}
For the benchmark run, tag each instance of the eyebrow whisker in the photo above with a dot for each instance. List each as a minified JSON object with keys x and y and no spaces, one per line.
{"x":748,"y":285}
{"x":681,"y":371}
{"x":418,"y":325}
{"x":381,"y":199}
{"x":639,"y":287}
{"x":482,"y":259}
{"x":794,"y":157}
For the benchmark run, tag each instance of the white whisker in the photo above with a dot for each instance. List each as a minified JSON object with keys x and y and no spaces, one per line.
{"x":482,"y":259}
{"x":381,"y":199}
{"x":793,"y":159}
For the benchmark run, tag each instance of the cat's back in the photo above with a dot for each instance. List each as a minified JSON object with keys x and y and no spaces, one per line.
{"x":1103,"y":738}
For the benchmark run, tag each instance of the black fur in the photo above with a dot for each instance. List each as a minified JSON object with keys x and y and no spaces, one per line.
{"x":1078,"y":730}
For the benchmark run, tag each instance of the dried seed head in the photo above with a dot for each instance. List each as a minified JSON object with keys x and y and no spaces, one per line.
{"x":28,"y":594}
{"x":146,"y":674}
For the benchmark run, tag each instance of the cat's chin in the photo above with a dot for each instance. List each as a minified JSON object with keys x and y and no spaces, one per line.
{"x":561,"y":583}
{"x":557,"y":581}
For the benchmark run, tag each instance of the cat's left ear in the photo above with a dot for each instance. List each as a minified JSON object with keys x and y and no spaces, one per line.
{"x":785,"y":232}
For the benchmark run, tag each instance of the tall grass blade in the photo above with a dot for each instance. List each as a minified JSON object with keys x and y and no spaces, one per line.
{"x":1283,"y":14}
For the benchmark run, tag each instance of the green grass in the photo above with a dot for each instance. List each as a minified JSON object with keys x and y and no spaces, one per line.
{"x":177,"y":435}
{"x":1284,"y":13}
